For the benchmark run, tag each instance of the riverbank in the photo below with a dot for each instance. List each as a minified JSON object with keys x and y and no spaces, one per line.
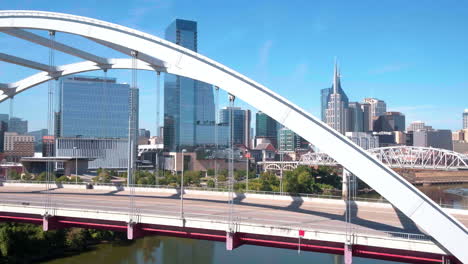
{"x":27,"y":243}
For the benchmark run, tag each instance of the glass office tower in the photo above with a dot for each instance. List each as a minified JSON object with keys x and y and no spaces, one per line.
{"x":266,"y":127}
{"x":241,"y":124}
{"x":187,"y":103}
{"x":92,"y":120}
{"x":92,"y":107}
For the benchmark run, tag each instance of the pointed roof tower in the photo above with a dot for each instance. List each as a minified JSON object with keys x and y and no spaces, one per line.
{"x":336,"y":78}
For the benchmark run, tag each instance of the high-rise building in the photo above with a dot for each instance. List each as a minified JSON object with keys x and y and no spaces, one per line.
{"x":241,"y":124}
{"x":18,"y":125}
{"x":18,"y":146}
{"x":355,"y":117}
{"x":440,"y":138}
{"x":418,"y":125}
{"x":266,"y":127}
{"x":93,"y":120}
{"x":465,"y":119}
{"x":38,"y":134}
{"x":337,"y":106}
{"x":3,"y":129}
{"x":366,"y":111}
{"x":92,"y":107}
{"x":377,"y":108}
{"x":390,"y":121}
{"x":4,"y":118}
{"x":187,"y":103}
{"x":288,"y":141}
{"x":364,"y":139}
{"x":324,"y":97}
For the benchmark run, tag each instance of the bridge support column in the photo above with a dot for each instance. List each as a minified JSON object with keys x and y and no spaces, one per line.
{"x":348,"y":253}
{"x":345,"y":188}
{"x":232,"y":241}
{"x":134,"y":231}
{"x":49,"y":223}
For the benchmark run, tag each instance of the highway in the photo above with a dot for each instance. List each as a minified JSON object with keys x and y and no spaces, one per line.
{"x":368,"y":218}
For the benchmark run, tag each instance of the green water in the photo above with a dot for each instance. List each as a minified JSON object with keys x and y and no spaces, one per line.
{"x":169,"y":250}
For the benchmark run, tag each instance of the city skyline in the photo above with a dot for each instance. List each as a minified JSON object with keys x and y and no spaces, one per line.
{"x":405,"y":86}
{"x":363,"y":152}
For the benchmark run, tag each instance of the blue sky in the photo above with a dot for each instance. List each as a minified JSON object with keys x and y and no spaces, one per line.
{"x":412,"y":54}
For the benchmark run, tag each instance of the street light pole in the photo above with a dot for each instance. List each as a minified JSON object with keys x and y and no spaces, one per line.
{"x":281,"y":172}
{"x":247,"y":156}
{"x":76,"y":165}
{"x":182,"y":186}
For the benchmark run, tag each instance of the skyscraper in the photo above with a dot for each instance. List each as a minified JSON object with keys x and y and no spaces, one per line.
{"x":418,"y":125}
{"x":366,"y":109}
{"x":187,"y":103}
{"x":18,"y":125}
{"x":92,"y":120}
{"x":288,"y":141}
{"x":390,"y":121}
{"x":465,"y":119}
{"x":241,"y":124}
{"x":92,"y":107}
{"x":266,"y":127}
{"x":324,"y":97}
{"x":337,"y":107}
{"x":355,"y":117}
{"x":377,"y":108}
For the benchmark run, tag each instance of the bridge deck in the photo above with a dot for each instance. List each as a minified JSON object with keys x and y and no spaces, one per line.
{"x":255,"y":215}
{"x":374,"y":218}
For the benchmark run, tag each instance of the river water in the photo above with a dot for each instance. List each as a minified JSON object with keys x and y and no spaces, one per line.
{"x":170,"y":250}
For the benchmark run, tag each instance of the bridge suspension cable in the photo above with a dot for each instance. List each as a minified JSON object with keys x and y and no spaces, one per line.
{"x":231,"y":163}
{"x":50,"y":128}
{"x":158,"y":125}
{"x":216,"y":136}
{"x":132,"y":127}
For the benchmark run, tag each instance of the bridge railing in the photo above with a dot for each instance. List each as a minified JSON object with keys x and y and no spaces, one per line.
{"x":220,"y":218}
{"x":208,"y":189}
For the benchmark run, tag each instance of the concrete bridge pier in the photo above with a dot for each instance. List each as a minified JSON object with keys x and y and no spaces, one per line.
{"x":50,"y":222}
{"x":348,"y":254}
{"x":232,"y":241}
{"x":134,"y":231}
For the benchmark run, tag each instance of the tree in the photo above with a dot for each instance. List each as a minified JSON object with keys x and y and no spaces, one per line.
{"x":210,"y":172}
{"x":210,"y":183}
{"x":102,"y":177}
{"x":14,"y":175}
{"x":239,"y":175}
{"x":192,"y":177}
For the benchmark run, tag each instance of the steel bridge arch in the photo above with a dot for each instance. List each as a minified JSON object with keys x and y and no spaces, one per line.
{"x":448,"y":231}
{"x":420,"y":157}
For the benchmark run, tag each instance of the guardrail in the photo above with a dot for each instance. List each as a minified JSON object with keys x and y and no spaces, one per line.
{"x":237,"y":220}
{"x":208,"y":189}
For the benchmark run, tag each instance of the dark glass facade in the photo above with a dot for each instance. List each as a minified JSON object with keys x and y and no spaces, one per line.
{"x":92,"y":107}
{"x":241,"y":124}
{"x":266,"y":127}
{"x":324,"y":97}
{"x":390,"y":121}
{"x":187,"y":103}
{"x":355,"y":118}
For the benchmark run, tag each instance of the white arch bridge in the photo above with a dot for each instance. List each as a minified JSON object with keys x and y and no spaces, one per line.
{"x":162,"y":56}
{"x":401,"y":157}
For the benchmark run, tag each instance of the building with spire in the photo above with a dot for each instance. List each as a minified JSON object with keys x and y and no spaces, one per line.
{"x":336,"y":112}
